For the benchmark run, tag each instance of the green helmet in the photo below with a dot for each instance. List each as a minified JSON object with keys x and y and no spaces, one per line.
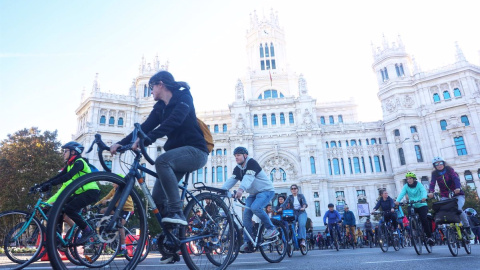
{"x":410,"y":174}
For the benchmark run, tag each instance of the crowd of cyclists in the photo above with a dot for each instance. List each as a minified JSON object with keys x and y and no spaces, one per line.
{"x":174,"y":116}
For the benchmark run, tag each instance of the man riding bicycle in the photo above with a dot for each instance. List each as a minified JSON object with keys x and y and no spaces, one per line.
{"x":350,"y":222}
{"x":333,"y":219}
{"x":388,"y":207}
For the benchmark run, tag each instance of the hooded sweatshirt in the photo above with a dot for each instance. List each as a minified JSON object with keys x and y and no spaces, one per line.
{"x":253,"y":179}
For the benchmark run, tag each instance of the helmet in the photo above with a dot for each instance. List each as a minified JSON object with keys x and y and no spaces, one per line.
{"x":330,"y":205}
{"x":437,"y":159}
{"x":240,"y":150}
{"x":410,"y":174}
{"x":74,"y":146}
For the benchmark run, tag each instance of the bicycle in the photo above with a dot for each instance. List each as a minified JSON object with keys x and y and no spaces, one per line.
{"x":348,"y":239}
{"x":416,"y":232}
{"x":292,"y":235}
{"x":334,"y":236}
{"x":386,"y":236}
{"x":214,"y":239}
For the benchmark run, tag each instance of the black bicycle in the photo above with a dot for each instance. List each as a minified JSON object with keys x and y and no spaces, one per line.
{"x":387,"y":237}
{"x":417,"y":232}
{"x":213,"y":241}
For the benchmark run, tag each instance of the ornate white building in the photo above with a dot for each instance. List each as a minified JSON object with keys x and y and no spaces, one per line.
{"x":321,"y":147}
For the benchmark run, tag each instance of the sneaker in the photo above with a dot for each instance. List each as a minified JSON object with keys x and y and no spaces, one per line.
{"x":166,"y":259}
{"x":470,"y":234}
{"x":123,"y":252}
{"x":395,"y":232}
{"x":270,"y":233}
{"x":175,"y":218}
{"x":84,"y":236}
{"x":430,"y":241}
{"x":245,"y":247}
{"x":302,"y":243}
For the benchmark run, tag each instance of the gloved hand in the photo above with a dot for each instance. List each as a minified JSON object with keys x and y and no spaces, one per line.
{"x":45,"y":187}
{"x":325,"y":224}
{"x":147,"y":141}
{"x":32,"y":190}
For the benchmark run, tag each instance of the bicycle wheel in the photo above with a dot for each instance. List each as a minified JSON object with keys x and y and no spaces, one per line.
{"x":215,"y":239}
{"x":304,"y":249}
{"x":238,"y":243}
{"x":95,"y":254}
{"x":70,"y":251}
{"x":428,"y":247}
{"x":466,"y":242}
{"x":415,"y":236}
{"x":97,"y":244}
{"x":451,"y":234}
{"x":384,"y":240}
{"x":396,"y":242}
{"x":133,"y":245}
{"x":23,"y":238}
{"x":290,"y":247}
{"x":274,"y":250}
{"x":335,"y":241}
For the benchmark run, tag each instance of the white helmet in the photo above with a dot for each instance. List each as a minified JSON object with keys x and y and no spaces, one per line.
{"x":437,"y":159}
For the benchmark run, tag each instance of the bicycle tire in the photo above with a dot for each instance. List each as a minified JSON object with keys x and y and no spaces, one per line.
{"x":11,"y":222}
{"x":451,"y":233}
{"x":89,"y":254}
{"x":416,"y":237}
{"x":466,"y":242}
{"x":290,"y":245}
{"x":304,"y":249}
{"x":238,"y":243}
{"x":70,"y":252}
{"x":335,"y":241}
{"x":384,"y":240}
{"x":276,"y":247}
{"x":396,"y":242}
{"x":217,"y":249}
{"x":56,"y":211}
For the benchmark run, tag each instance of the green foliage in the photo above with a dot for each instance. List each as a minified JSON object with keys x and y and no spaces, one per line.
{"x":27,"y":157}
{"x":471,"y":198}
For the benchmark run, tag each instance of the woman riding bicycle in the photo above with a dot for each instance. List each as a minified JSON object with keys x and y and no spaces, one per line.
{"x":186,"y":149}
{"x":448,"y":182}
{"x":75,"y":167}
{"x":298,"y":203}
{"x":388,"y":207}
{"x":417,"y":192}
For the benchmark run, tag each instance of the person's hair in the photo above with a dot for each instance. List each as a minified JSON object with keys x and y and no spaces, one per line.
{"x":382,"y":191}
{"x":294,"y":185}
{"x":167,"y":79}
{"x":281,"y":196}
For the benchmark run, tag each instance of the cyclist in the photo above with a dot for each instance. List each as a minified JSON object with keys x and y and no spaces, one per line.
{"x":400,"y":216}
{"x":280,"y":201}
{"x":75,"y":166}
{"x":350,"y":223}
{"x":298,"y":203}
{"x":448,"y":181}
{"x":417,"y":192}
{"x":388,"y":207}
{"x":257,"y":184}
{"x":125,"y":214}
{"x":333,"y":219}
{"x":368,"y":229}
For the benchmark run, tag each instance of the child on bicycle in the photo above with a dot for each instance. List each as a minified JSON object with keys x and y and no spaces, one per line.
{"x":333,"y":219}
{"x":125,"y":214}
{"x":75,"y":166}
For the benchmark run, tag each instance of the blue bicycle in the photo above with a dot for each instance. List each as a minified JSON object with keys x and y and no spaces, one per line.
{"x":292,"y":233}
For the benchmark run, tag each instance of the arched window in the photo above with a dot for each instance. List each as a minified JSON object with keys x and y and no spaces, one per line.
{"x":272,"y":51}
{"x":284,"y":175}
{"x":145,"y":91}
{"x":378,"y":168}
{"x":312,"y":165}
{"x":469,"y":179}
{"x":282,"y":119}
{"x":402,"y":73}
{"x":373,"y":141}
{"x":446,"y":95}
{"x":331,"y":120}
{"x":213,"y":175}
{"x":225,"y":173}
{"x":368,"y":142}
{"x":360,"y":142}
{"x":273,"y":119}
{"x":356,"y":165}
{"x":343,"y":165}
{"x":371,"y":164}
{"x":219,"y":152}
{"x":264,"y":119}
{"x":363,"y":165}
{"x":120,"y":121}
{"x":457,"y":93}
{"x":339,"y":144}
{"x":401,"y":156}
{"x":386,"y":73}
{"x":350,"y":165}
{"x":333,"y":144}
{"x":340,"y":119}
{"x":272,"y":174}
{"x":413,"y":129}
{"x":205,"y":176}
{"x":111,"y":121}
{"x":336,"y":166}
{"x":436,"y":98}
{"x":353,"y":142}
{"x":224,"y":128}
{"x":383,"y":75}
{"x":261,"y":51}
{"x":329,"y":167}
{"x":396,"y":132}
{"x":290,"y":118}
{"x":255,"y":120}
{"x":103,"y":119}
{"x":460,"y":145}
{"x":200,"y":175}
{"x":322,"y":120}
{"x":384,"y":164}
{"x":397,"y":70}
{"x":443,"y":124}
{"x":346,"y":142}
{"x":266,"y":50}
{"x":326,"y":145}
{"x":465,"y":120}
{"x":418,"y":153}
{"x":219,"y":174}
{"x":215,"y":129}
{"x":225,"y":153}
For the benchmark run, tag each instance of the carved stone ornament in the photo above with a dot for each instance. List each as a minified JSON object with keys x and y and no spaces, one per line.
{"x":302,"y":85}
{"x":278,"y":162}
{"x":239,"y":90}
{"x":408,"y":101}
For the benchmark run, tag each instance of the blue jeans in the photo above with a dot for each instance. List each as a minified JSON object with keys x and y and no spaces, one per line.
{"x":257,"y":204}
{"x":302,"y":222}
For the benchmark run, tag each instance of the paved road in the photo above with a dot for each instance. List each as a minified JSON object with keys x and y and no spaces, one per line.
{"x":364,"y":258}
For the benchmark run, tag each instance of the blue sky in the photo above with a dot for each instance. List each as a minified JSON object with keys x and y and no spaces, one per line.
{"x":51,"y":50}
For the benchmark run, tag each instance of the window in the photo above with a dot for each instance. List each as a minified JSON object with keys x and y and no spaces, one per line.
{"x":333,"y":144}
{"x":213,"y":175}
{"x":353,"y":142}
{"x":425,"y":182}
{"x":205,"y":176}
{"x":109,"y":164}
{"x":326,"y":144}
{"x":359,"y":142}
{"x":224,"y":128}
{"x":312,"y":165}
{"x":284,"y":175}
{"x":373,"y":141}
{"x":336,"y":166}
{"x":436,"y":98}
{"x":413,"y":129}
{"x":329,"y":167}
{"x":356,"y":165}
{"x":383,"y":75}
{"x":340,"y":119}
{"x":469,"y":180}
{"x":343,"y":166}
{"x":261,"y":51}
{"x":145,"y":91}
{"x":418,"y":153}
{"x":103,"y":120}
{"x":322,"y":120}
{"x":350,"y":165}
{"x":384,"y":164}
{"x":317,"y":209}
{"x":346,"y":142}
{"x":264,"y":119}
{"x":315,"y":195}
{"x":266,"y":50}
{"x":363,"y":165}
{"x":456,"y":92}
{"x":397,"y":69}
{"x":290,"y":117}
{"x":219,"y":174}
{"x":396,"y":132}
{"x":215,"y":129}
{"x":340,"y":196}
{"x":282,"y":119}
{"x":361,"y":196}
{"x":339,"y":144}
{"x":443,"y":124}
{"x":200,"y":175}
{"x":331,"y":120}
{"x":371,"y":164}
{"x":274,"y":119}
{"x":446,"y":95}
{"x":385,"y":72}
{"x":225,"y":173}
{"x":378,"y":168}
{"x":460,"y":145}
{"x":272,"y":52}
{"x":225,"y":152}
{"x":368,"y":143}
{"x":465,"y":120}
{"x":262,"y":66}
{"x":219,"y":152}
{"x":120,"y":121}
{"x":271,"y":93}
{"x":255,"y":120}
{"x":401,"y":156}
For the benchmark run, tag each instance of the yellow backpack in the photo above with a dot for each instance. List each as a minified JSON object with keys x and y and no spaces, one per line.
{"x":206,"y":134}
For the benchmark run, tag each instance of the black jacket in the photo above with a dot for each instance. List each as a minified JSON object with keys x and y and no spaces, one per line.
{"x":177,"y":121}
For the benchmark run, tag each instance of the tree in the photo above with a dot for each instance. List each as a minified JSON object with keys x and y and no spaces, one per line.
{"x":471,"y":198}
{"x":27,"y":157}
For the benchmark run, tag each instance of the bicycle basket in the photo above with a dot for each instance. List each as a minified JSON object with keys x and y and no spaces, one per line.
{"x":288,"y":215}
{"x":446,"y":211}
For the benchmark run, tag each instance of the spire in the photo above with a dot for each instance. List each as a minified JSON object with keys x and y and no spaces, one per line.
{"x":385,"y":42}
{"x":374,"y":51}
{"x":400,"y":42}
{"x":133,"y":88}
{"x":82,"y":98}
{"x":95,"y":87}
{"x":302,"y":86}
{"x":459,"y":57}
{"x":416,"y":67}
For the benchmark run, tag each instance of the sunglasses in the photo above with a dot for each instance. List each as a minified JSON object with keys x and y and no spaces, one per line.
{"x":66,"y":151}
{"x":293,"y":188}
{"x":151,"y":85}
{"x":438,"y":163}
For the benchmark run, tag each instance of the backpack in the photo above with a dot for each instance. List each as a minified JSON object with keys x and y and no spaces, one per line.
{"x":92,"y":168}
{"x":206,"y":134}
